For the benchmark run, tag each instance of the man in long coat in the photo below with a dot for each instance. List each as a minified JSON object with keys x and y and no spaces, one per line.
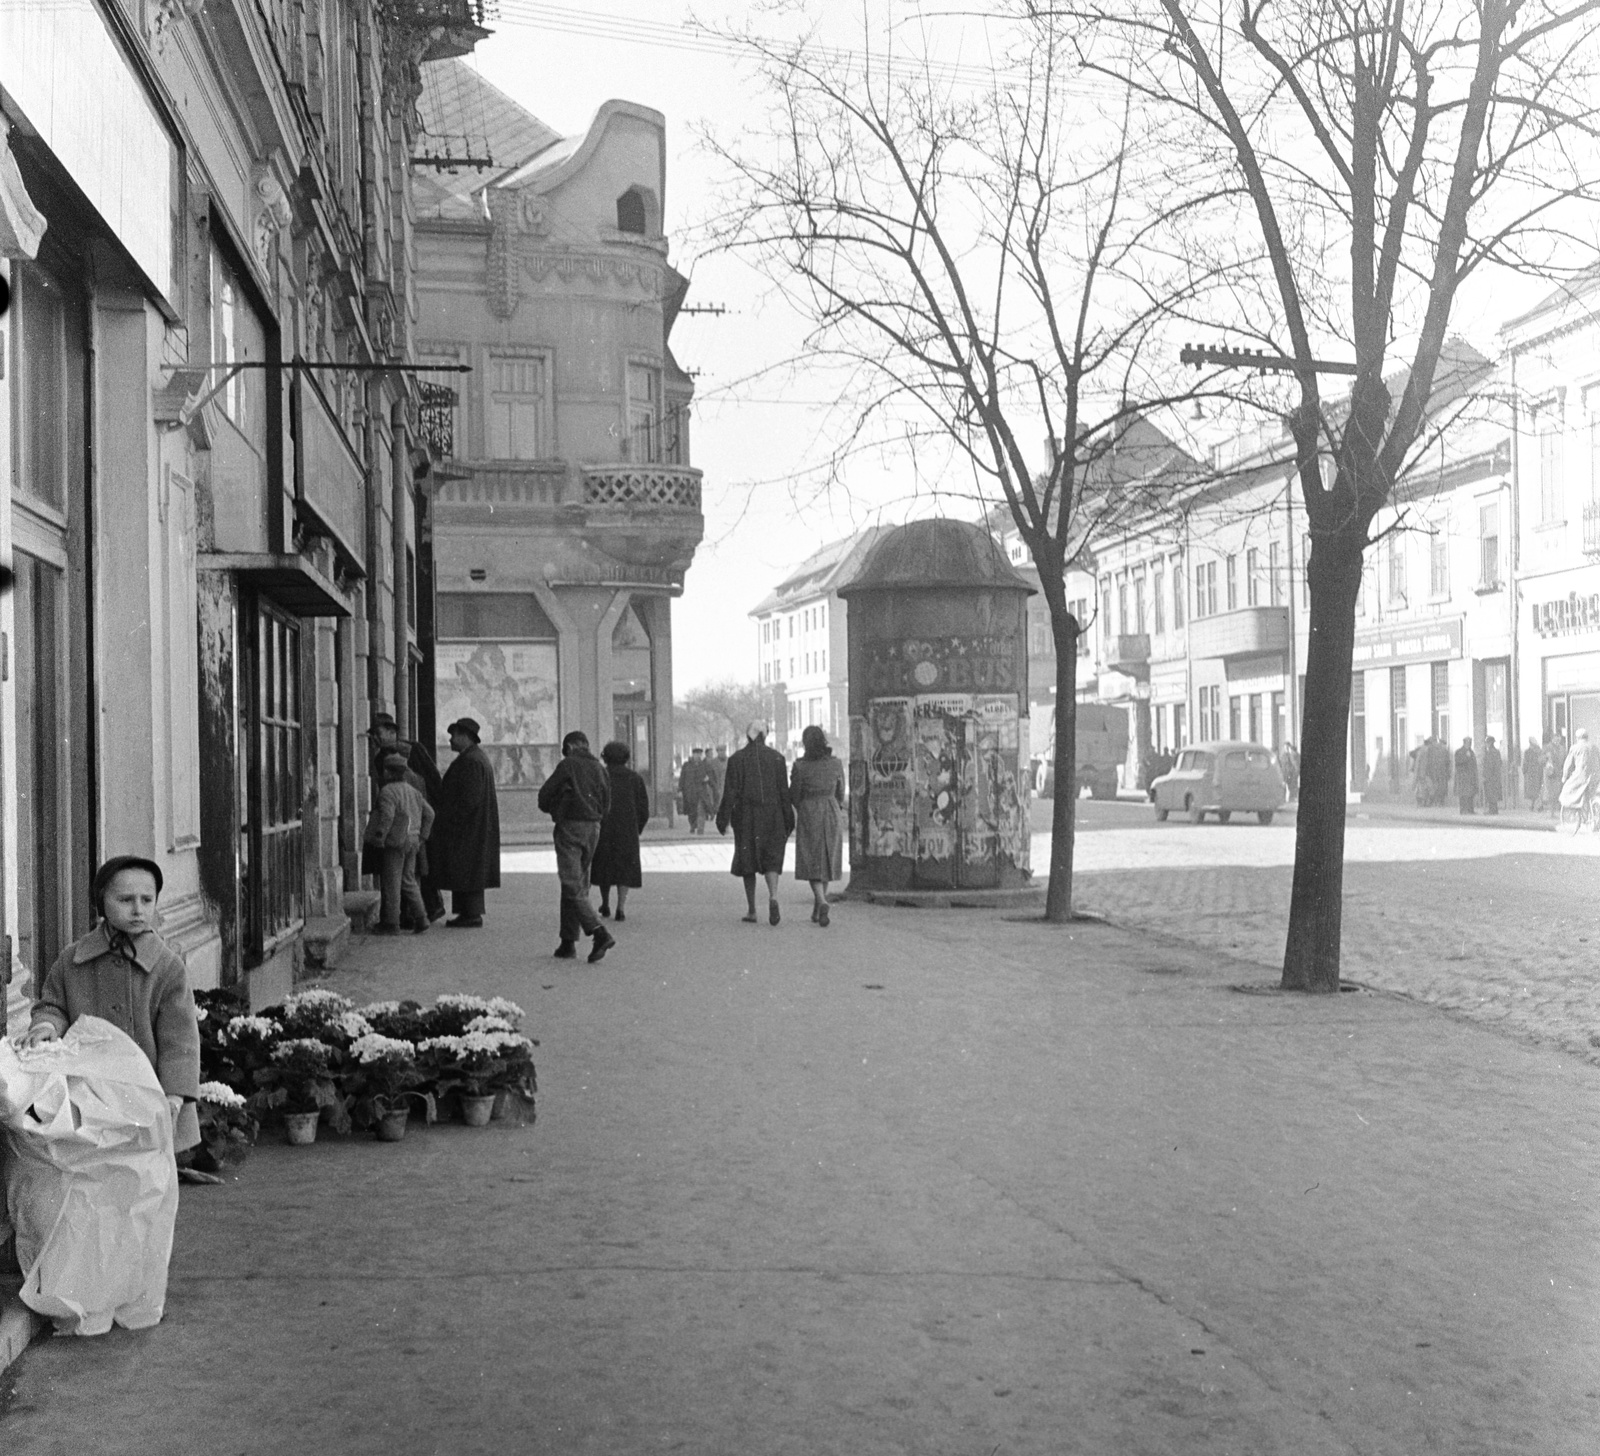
{"x":465,"y":846}
{"x":1467,"y":777}
{"x":694,"y":791}
{"x":755,"y":801}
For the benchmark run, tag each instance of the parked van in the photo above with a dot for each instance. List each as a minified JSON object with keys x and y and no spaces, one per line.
{"x":1222,"y":778}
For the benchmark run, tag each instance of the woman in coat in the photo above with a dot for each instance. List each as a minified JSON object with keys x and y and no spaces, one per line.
{"x":616,"y":856}
{"x":816,"y":788}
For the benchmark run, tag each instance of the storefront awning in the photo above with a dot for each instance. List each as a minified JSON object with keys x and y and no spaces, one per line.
{"x":288,"y":578}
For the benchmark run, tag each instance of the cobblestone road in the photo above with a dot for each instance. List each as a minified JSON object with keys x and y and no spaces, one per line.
{"x":1500,"y":925}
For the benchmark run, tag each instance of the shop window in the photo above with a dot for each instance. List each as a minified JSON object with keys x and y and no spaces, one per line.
{"x":517,"y":407}
{"x":495,"y":660}
{"x":271,"y":837}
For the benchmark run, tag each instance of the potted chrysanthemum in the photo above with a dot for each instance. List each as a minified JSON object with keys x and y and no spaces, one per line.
{"x":468,"y":1065}
{"x":383,"y":1080}
{"x":227,"y":1127}
{"x":299,"y":1083}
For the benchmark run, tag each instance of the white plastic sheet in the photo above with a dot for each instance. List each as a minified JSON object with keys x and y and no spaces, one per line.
{"x":90,"y":1182}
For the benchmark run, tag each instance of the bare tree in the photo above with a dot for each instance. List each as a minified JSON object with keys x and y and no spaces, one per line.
{"x":1386,"y":153}
{"x":988,"y":267}
{"x":717,"y":713}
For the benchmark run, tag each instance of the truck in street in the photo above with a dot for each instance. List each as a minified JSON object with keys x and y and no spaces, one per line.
{"x":1102,"y":750}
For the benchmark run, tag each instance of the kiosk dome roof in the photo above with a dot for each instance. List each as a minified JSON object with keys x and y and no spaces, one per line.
{"x":937,"y":553}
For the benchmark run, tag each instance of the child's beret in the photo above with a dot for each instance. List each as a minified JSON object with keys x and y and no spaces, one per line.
{"x":114,"y":867}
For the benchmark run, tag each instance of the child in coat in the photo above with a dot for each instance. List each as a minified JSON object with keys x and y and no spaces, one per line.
{"x":401,"y":821}
{"x":123,"y":972}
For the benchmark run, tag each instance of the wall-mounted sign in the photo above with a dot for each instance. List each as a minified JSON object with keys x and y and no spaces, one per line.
{"x":1407,"y":642}
{"x":942,"y":664}
{"x":1568,"y":616}
{"x":70,"y":78}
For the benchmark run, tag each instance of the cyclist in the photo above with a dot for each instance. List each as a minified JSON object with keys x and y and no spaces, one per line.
{"x":1580,"y":778}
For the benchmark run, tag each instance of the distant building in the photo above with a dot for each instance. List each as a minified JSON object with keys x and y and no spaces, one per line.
{"x":800,"y":642}
{"x":568,"y":511}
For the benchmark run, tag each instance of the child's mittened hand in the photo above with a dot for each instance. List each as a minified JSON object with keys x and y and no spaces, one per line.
{"x":41,"y":1033}
{"x":174,"y":1106}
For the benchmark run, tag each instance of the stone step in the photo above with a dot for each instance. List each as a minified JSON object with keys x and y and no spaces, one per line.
{"x":362,"y":907}
{"x":326,"y":939}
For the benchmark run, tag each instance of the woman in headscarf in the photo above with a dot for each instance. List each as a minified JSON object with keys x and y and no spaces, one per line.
{"x":816,"y":788}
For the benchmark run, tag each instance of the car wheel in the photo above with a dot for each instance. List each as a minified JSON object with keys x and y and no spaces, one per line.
{"x":1223,"y":815}
{"x":1161,"y":816}
{"x":1196,"y":815}
{"x":1265,"y":816}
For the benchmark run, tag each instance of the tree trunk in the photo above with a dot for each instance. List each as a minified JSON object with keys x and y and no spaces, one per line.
{"x":1064,"y":630}
{"x":1316,"y":904}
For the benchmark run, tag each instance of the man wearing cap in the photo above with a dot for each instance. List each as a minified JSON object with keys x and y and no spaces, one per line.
{"x":423,"y":775}
{"x":755,"y":801}
{"x":466,"y":831}
{"x":577,"y":795}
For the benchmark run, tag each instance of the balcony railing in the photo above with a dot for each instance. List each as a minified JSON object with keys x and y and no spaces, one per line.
{"x":504,"y":483}
{"x":669,"y":487}
{"x":1244,"y":633}
{"x":1591,"y":528}
{"x":1129,"y":652}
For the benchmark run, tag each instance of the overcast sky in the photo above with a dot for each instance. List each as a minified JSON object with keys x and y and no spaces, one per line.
{"x":758,"y":428}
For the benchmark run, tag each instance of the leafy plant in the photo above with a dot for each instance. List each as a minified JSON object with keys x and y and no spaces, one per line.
{"x":228,"y":1128}
{"x":402,"y":1020}
{"x":299,"y":1079}
{"x":383,"y":1075}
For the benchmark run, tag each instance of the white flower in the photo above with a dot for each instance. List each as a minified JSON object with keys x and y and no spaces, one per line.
{"x":373,"y":1048}
{"x":506,"y":1010}
{"x":199,"y":1013}
{"x":319,"y":999}
{"x":353,"y":1024}
{"x":457,"y":1002}
{"x":286,"y":1049}
{"x":218,"y":1094}
{"x":378,"y":1008}
{"x":262,"y":1026}
{"x":451,"y":1044}
{"x":488,"y":1023}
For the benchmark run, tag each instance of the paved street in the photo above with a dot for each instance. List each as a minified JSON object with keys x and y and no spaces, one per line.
{"x":928,"y":1181}
{"x":1498,"y":924}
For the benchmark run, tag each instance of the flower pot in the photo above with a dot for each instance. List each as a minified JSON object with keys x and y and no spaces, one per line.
{"x":475,"y":1111}
{"x":502,"y":1099}
{"x":301,"y":1126}
{"x":392,"y":1125}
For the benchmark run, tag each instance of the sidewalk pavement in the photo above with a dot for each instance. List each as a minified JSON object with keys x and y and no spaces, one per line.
{"x":1452,"y":815}
{"x":926,"y":1181}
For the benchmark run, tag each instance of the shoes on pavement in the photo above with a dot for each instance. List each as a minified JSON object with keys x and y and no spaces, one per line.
{"x":749,"y":919}
{"x":605,"y":911}
{"x":603,"y":941}
{"x":566,"y":951}
{"x":465,"y":922}
{"x":435,"y":915}
{"x":822,"y":915}
{"x":420,"y":928}
{"x":621,"y":915}
{"x":386,"y":930}
{"x":773,"y":917}
{"x":814,"y":910}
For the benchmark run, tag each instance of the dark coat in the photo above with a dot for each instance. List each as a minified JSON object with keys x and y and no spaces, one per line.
{"x":1466,"y":773}
{"x":577,"y":791}
{"x":755,"y":802}
{"x":1493,"y":767}
{"x":422,"y":773}
{"x":616,"y":857}
{"x":465,"y":845}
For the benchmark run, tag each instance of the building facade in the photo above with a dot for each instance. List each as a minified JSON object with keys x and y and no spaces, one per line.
{"x":205,"y":455}
{"x":801,"y":642}
{"x":566,"y":510}
{"x":1551,"y":514}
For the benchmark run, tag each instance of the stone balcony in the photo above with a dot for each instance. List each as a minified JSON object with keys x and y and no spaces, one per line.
{"x":1248,"y":632}
{"x":1129,"y":653}
{"x":658,"y":487}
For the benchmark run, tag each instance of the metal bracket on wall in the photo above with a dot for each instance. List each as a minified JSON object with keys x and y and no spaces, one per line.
{"x":194,"y":405}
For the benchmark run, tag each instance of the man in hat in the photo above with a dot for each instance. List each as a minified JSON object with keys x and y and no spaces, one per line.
{"x":466,"y":831}
{"x":577,"y":795}
{"x":692,"y":790}
{"x":755,"y":801}
{"x":422,"y":773}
